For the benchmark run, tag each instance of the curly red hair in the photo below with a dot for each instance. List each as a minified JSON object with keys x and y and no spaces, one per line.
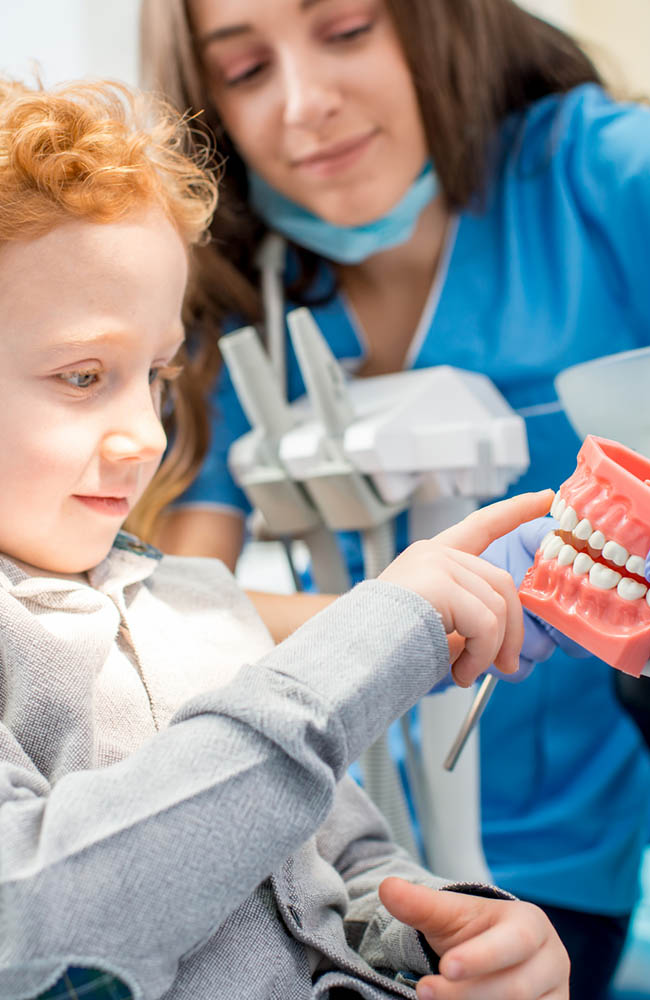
{"x":96,"y":151}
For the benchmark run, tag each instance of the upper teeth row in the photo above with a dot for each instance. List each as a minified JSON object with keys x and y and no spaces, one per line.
{"x":584,"y":532}
{"x":600,"y":576}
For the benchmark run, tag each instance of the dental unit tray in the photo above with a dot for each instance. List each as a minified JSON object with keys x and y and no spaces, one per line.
{"x":606,"y":397}
{"x":354,"y":452}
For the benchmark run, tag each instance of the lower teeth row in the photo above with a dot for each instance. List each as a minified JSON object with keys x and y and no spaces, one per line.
{"x":601,"y":577}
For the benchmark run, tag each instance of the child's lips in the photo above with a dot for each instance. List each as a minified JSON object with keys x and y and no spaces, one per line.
{"x":111,"y":506}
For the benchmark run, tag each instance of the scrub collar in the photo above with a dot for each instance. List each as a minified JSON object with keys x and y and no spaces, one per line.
{"x":343,"y":244}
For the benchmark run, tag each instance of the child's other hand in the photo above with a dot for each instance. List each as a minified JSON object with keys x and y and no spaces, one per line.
{"x":473,"y":597}
{"x":490,"y":949}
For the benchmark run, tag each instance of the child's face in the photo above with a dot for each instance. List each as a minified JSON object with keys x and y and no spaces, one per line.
{"x":90,"y":319}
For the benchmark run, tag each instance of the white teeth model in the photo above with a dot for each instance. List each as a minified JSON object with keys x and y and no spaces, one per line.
{"x":630,"y":590}
{"x":552,"y":547}
{"x":583,"y":530}
{"x":567,"y":555}
{"x":636,"y":565}
{"x":569,"y":520}
{"x":615,"y":553}
{"x":558,"y":507}
{"x":597,"y":540}
{"x":602,"y":577}
{"x":582,"y":564}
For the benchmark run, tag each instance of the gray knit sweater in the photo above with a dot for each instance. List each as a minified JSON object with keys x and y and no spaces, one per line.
{"x":178,"y":818}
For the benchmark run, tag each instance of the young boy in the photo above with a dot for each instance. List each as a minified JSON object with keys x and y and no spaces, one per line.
{"x":169,"y":817}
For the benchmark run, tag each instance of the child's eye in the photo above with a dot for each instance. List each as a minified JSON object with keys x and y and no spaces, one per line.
{"x":79,"y":380}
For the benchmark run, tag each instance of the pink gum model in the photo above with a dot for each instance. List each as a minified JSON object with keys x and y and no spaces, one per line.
{"x":588,"y":578}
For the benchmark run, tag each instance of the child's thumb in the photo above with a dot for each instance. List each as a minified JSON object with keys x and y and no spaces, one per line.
{"x":445,"y":918}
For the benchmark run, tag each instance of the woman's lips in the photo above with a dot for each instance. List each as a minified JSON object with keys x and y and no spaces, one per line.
{"x":111,"y":506}
{"x":337,"y":157}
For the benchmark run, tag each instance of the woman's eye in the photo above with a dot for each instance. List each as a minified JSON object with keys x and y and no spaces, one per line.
{"x":245,"y":75}
{"x":79,"y":380}
{"x":351,"y":33}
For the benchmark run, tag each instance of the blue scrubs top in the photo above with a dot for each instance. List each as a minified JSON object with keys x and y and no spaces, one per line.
{"x":551,"y":271}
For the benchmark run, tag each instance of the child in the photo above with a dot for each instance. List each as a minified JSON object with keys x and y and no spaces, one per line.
{"x":168,"y":817}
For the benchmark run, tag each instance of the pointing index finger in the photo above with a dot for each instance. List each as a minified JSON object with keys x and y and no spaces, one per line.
{"x":482,"y":527}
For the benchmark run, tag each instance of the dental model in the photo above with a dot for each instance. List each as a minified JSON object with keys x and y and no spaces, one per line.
{"x":588,"y":578}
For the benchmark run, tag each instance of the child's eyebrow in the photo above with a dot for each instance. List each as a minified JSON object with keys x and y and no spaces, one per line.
{"x":84,"y":343}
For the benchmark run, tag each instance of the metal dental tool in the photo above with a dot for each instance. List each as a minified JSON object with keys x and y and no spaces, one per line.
{"x":471,"y":720}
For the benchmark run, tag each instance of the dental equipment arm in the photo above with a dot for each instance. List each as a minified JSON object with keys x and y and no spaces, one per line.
{"x":257,"y":466}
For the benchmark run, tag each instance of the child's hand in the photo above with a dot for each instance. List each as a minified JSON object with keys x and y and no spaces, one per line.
{"x":490,"y":949}
{"x":473,"y":597}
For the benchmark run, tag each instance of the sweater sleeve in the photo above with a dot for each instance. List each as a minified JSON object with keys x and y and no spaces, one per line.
{"x":130,"y":867}
{"x":356,"y":841}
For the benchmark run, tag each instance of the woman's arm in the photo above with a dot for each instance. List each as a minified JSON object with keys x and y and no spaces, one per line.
{"x":219,"y":534}
{"x":202,"y":531}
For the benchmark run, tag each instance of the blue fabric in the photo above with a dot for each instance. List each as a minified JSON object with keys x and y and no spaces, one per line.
{"x":344,"y":244}
{"x":551,"y":271}
{"x":86,"y":984}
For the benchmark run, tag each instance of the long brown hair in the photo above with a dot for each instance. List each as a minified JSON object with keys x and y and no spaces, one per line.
{"x":473,"y":63}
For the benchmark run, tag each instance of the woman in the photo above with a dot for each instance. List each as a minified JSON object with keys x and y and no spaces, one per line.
{"x":520,"y":251}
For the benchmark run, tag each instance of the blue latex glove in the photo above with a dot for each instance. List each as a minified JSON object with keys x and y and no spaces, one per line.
{"x":515,"y":552}
{"x":647,"y":567}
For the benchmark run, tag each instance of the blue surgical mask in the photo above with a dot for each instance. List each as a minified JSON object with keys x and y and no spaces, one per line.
{"x":344,"y":244}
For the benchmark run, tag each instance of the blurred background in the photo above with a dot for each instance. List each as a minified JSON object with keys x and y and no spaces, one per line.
{"x":65,"y":39}
{"x":71,"y":38}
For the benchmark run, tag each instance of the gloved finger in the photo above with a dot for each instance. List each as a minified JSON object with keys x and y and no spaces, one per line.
{"x":526,"y":668}
{"x":567,"y":645}
{"x":515,"y":551}
{"x":532,"y":534}
{"x":539,"y":644}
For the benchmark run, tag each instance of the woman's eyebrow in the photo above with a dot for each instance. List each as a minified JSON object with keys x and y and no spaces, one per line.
{"x":222,"y":34}
{"x":233,"y":30}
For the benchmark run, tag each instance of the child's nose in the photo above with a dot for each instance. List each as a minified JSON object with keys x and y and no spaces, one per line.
{"x":140,"y":439}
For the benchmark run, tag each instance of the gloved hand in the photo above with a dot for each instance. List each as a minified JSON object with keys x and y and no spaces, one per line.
{"x":515,"y":552}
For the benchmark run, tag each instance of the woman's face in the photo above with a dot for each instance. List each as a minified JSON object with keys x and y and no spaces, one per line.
{"x":318,"y":99}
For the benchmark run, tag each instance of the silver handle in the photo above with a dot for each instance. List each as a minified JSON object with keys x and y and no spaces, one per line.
{"x":471,"y":720}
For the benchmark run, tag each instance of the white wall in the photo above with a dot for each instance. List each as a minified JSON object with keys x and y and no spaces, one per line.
{"x":72,"y":38}
{"x":69,"y":38}
{"x":560,"y":12}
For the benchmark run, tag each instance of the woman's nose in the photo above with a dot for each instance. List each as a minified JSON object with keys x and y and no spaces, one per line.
{"x":311,"y":96}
